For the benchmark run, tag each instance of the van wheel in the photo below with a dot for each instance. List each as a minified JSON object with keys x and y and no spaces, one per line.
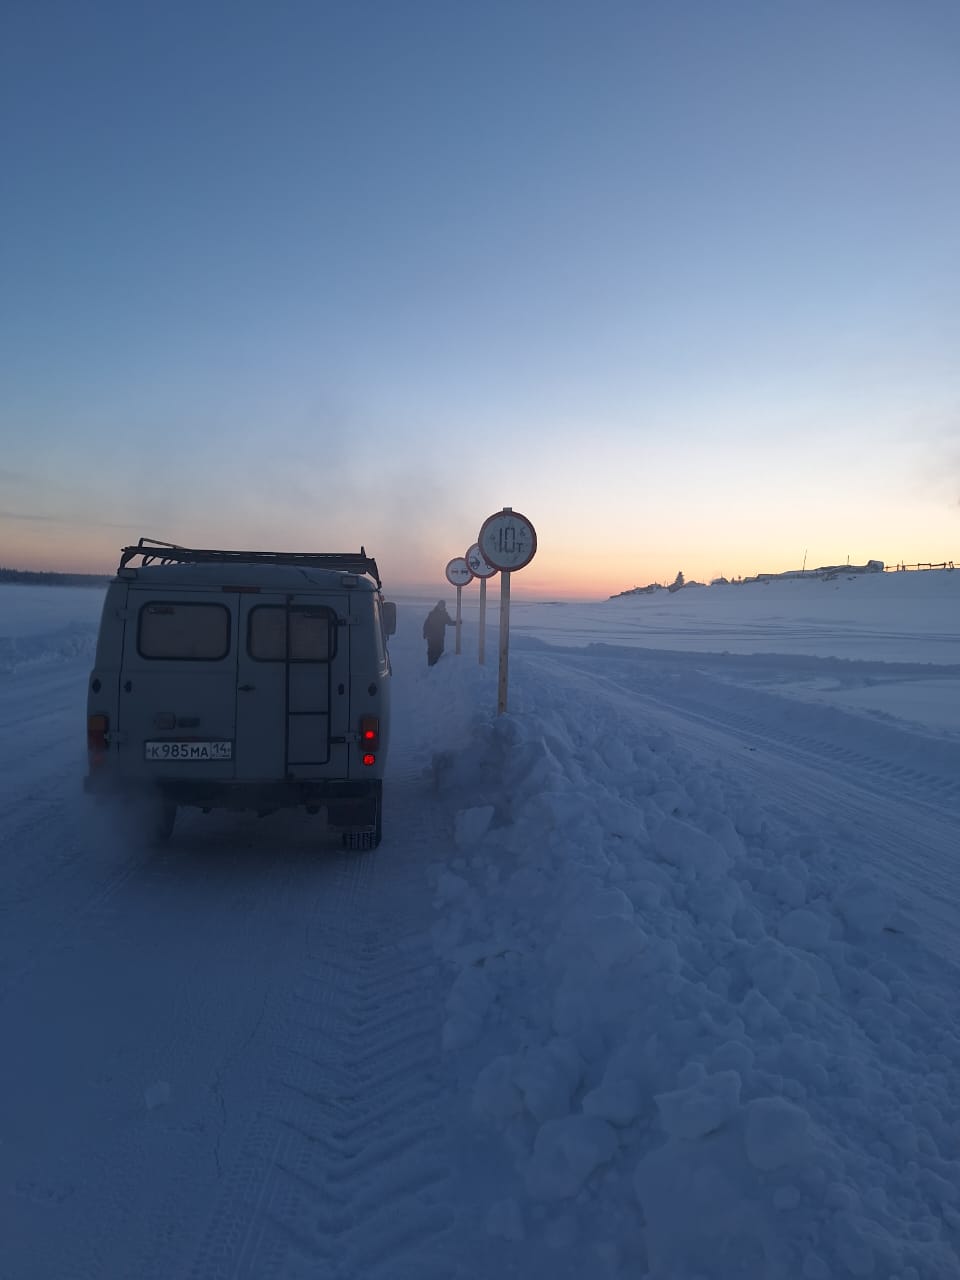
{"x":161,"y":824}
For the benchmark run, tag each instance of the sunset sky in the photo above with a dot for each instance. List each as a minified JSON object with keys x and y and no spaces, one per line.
{"x":678,"y":280}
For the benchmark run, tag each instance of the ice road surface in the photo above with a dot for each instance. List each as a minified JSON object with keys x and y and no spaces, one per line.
{"x":655,"y":976}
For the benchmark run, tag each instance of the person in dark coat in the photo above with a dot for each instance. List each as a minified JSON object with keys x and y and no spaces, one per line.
{"x":435,"y":630}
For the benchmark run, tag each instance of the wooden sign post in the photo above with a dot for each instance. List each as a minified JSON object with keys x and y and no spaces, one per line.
{"x":508,"y":542}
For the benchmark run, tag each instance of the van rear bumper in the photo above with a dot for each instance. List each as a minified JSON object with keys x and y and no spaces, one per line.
{"x":343,"y":797}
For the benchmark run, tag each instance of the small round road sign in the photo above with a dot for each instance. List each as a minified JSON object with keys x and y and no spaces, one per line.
{"x":458,"y":572}
{"x":507,"y":540}
{"x":480,"y":567}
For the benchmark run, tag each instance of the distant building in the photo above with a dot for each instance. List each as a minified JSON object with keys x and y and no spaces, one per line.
{"x":824,"y":571}
{"x":639,"y":591}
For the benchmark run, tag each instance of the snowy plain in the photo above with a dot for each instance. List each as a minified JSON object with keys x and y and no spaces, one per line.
{"x":654,"y":976}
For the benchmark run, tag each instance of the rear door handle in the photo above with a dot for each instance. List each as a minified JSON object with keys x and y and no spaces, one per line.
{"x":246,"y":688}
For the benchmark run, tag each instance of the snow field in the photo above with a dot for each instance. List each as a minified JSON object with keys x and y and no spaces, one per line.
{"x":894,"y":617}
{"x":700,"y":1053}
{"x":654,"y":976}
{"x":47,"y":625}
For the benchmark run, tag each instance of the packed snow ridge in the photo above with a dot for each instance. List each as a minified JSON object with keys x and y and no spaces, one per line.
{"x":698,"y":1043}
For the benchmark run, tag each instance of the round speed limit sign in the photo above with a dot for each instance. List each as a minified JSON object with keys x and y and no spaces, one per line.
{"x":458,"y":572}
{"x":507,"y":540}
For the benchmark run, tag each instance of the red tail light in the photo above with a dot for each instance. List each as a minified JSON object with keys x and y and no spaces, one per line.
{"x":97,"y":730}
{"x":369,"y":733}
{"x":369,"y":758}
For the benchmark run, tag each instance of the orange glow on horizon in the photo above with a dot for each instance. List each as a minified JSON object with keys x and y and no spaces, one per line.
{"x":553,"y":574}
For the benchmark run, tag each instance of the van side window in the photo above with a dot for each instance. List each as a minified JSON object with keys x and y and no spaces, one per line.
{"x":191,"y":632}
{"x":312,"y":634}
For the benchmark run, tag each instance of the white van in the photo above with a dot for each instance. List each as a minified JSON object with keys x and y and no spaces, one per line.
{"x":243,"y":680}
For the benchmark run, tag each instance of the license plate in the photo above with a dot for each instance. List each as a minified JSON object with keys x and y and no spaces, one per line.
{"x":189,"y":750}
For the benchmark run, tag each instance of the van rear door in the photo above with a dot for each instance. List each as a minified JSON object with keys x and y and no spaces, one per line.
{"x":293,"y":686}
{"x":177,"y":698}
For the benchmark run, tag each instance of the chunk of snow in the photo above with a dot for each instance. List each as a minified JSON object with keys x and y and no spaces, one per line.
{"x":692,"y":850}
{"x":495,"y":1093}
{"x":853,"y":1245}
{"x":864,"y":906}
{"x":780,"y":884}
{"x":777,"y":1133}
{"x":780,"y":974}
{"x":617,"y":1101}
{"x":470,"y":997}
{"x":547,"y":1077}
{"x":732,"y":1056}
{"x":705,"y":1213}
{"x":565,"y":1153}
{"x":804,"y":928}
{"x":700,"y":1109}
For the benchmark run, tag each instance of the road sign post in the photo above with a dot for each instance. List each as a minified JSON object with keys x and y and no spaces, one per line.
{"x":508,"y":542}
{"x":504,"y":643}
{"x":482,"y":637}
{"x":482,"y":570}
{"x":458,"y":574}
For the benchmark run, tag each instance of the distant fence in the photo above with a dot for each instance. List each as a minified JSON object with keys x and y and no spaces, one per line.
{"x":907,"y":568}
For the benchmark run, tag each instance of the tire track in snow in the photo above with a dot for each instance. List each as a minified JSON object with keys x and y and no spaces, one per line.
{"x":52,"y":837}
{"x":774,"y":721}
{"x":34,"y":920}
{"x":897,"y":840}
{"x":874,"y":772}
{"x":907,"y":842}
{"x":145,"y":946}
{"x":343,"y":1172}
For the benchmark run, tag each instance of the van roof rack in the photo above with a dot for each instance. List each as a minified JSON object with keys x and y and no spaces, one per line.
{"x":151,"y":551}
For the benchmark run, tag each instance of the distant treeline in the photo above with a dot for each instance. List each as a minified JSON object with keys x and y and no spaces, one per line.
{"x":25,"y":577}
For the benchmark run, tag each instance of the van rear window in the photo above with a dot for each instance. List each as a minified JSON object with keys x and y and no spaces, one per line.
{"x":195,"y":632}
{"x":312,"y":634}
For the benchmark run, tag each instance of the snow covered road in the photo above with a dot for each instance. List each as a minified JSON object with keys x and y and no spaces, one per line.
{"x":221,"y":1057}
{"x":654,"y":977}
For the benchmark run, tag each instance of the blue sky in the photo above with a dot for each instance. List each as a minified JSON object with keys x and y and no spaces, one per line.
{"x":677,"y":280}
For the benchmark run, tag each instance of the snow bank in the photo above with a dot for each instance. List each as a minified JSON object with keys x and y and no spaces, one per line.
{"x":47,"y":625}
{"x":894,"y":617}
{"x":697,"y":1051}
